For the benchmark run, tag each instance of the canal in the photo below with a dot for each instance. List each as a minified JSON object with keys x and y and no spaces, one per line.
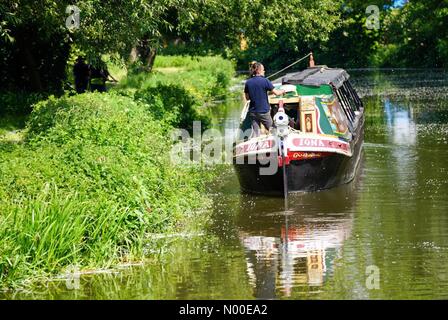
{"x":383,"y":236}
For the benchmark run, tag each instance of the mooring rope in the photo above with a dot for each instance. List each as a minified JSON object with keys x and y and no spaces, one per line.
{"x":290,"y":65}
{"x":226,"y":94}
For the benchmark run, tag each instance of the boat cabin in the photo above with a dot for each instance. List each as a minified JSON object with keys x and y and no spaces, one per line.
{"x":317,"y":139}
{"x":318,"y":100}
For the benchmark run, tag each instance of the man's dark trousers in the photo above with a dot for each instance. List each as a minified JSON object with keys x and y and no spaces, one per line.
{"x":257,"y":118}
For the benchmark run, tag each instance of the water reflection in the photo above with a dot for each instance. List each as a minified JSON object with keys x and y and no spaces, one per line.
{"x":400,"y":122}
{"x":402,"y":132}
{"x":295,"y":250}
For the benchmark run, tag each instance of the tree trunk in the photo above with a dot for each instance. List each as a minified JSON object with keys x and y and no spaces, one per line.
{"x":151,"y":58}
{"x":36,"y":84}
{"x":27,"y":60}
{"x":133,"y":56}
{"x":147,"y":54}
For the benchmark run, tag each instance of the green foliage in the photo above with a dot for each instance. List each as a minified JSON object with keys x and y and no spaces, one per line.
{"x":92,"y":179}
{"x":11,"y":124}
{"x":104,"y":26}
{"x":352,"y":43}
{"x":93,"y":176}
{"x":286,"y":31}
{"x":406,"y":37}
{"x":172,"y":104}
{"x":180,"y":86}
{"x":412,"y":39}
{"x":34,"y":41}
{"x":33,"y":45}
{"x":18,"y":102}
{"x":274,"y":32}
{"x":203,"y":77}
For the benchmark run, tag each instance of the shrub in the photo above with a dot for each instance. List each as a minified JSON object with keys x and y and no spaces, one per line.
{"x":172,"y":104}
{"x":94,"y":177}
{"x":94,"y":166}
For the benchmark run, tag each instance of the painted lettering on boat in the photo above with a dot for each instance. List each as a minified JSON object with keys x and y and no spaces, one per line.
{"x":254,"y":146}
{"x":308,"y":142}
{"x":320,"y":143}
{"x":298,"y":155}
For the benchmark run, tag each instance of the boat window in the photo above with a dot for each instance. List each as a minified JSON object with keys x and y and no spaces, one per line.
{"x":349,"y":96}
{"x":348,"y":99}
{"x":348,"y":103}
{"x":345,"y":105}
{"x":352,"y":91}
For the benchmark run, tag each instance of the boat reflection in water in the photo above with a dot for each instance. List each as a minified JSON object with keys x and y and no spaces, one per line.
{"x":294,"y":251}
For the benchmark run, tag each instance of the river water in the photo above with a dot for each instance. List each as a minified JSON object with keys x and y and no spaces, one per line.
{"x":383,"y":236}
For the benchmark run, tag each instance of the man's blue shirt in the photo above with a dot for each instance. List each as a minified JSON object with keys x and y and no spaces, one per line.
{"x":257,"y":88}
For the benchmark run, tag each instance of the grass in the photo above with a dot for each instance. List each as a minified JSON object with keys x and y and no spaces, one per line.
{"x":92,"y":178}
{"x":10,"y":123}
{"x":11,"y":128}
{"x":202,"y":77}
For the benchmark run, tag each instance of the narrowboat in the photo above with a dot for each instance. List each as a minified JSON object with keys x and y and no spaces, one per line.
{"x":316,"y":139}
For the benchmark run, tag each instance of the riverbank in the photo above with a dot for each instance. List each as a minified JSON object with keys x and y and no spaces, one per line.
{"x":329,"y":245}
{"x":91,"y":177}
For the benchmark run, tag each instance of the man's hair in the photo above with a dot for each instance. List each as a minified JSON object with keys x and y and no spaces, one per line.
{"x":255,"y":67}
{"x":252,"y":63}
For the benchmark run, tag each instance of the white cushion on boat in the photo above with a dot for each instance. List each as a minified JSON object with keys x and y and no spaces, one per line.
{"x":289,"y":88}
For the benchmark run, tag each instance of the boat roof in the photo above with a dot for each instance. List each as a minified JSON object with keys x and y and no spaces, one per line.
{"x":315,"y":76}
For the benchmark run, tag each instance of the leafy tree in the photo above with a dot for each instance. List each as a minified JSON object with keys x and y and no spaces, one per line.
{"x":33,"y":48}
{"x":35,"y":42}
{"x":285,"y":31}
{"x":417,"y":35}
{"x":35,"y":39}
{"x":353,"y":43}
{"x":274,"y":32}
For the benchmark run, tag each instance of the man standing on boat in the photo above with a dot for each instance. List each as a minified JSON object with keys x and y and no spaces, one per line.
{"x":256,"y":90}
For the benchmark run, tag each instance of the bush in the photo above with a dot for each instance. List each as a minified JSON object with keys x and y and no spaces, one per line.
{"x":179,"y":86}
{"x":93,"y":176}
{"x":173,"y":105}
{"x":95,"y":167}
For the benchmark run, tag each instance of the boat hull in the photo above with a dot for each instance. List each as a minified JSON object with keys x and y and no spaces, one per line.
{"x":304,"y":175}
